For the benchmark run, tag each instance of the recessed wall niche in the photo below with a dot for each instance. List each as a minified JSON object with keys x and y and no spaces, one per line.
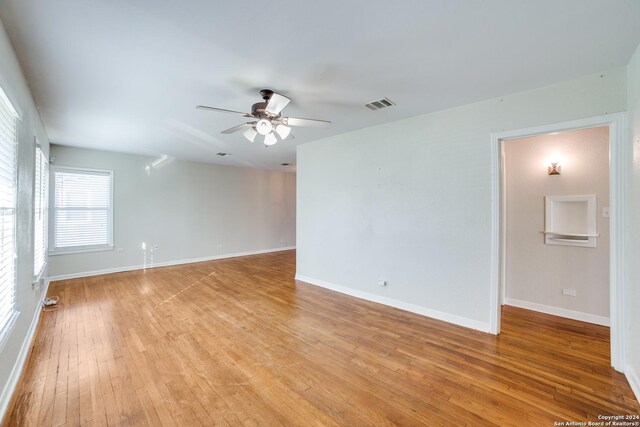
{"x":571,"y":221}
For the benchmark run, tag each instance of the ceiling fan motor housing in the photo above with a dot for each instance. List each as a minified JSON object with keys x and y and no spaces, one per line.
{"x":266,"y":94}
{"x":258,"y":110}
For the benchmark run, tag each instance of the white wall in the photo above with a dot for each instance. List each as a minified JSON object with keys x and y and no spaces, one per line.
{"x":14,"y":350}
{"x":633,"y":290}
{"x":537,"y":272}
{"x":410,"y":201}
{"x":188,"y":209}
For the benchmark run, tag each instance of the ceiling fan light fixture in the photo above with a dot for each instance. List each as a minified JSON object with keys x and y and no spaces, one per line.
{"x":250,"y":134}
{"x":283,"y":131}
{"x":267,"y":120}
{"x":270,"y":139}
{"x":264,"y":127}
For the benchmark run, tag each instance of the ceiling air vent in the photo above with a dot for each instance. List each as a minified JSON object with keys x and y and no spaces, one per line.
{"x":381,"y":103}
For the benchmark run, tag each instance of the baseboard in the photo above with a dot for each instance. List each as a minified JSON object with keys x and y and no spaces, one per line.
{"x":7,"y":396}
{"x":424,"y":311}
{"x":558,"y":311}
{"x":634,"y":380}
{"x":165,"y":263}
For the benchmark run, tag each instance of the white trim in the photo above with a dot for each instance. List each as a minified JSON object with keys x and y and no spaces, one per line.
{"x":8,"y":327}
{"x":18,"y":366}
{"x":619,"y":177}
{"x":620,"y":164}
{"x":559,"y":311}
{"x":53,"y":211}
{"x":37,"y":277}
{"x":634,"y":380}
{"x":165,"y":264}
{"x":95,"y":171}
{"x":4,"y":96}
{"x":39,"y":151}
{"x":497,"y":236}
{"x":36,"y":280}
{"x":79,"y":250}
{"x":503,"y":231}
{"x":446,"y":317}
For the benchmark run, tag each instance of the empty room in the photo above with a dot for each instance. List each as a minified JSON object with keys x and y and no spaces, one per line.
{"x":421,"y":213}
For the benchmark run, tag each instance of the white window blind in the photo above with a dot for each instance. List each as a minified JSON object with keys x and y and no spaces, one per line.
{"x":82,"y":209}
{"x":41,"y":208}
{"x":8,"y":141}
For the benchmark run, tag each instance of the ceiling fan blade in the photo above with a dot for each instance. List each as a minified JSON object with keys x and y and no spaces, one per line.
{"x":239,"y":127}
{"x":222,"y":110}
{"x":276,"y":103}
{"x":313,"y":123}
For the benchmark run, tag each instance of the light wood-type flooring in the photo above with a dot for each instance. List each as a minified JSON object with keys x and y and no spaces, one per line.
{"x":239,"y":342}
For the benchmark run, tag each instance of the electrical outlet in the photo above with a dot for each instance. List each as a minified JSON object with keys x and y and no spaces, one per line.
{"x":119,"y":249}
{"x":382,"y":282}
{"x":36,"y":286}
{"x":220,"y":246}
{"x":569,"y":292}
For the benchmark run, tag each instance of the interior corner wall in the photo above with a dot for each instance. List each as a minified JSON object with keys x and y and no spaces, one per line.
{"x":190,"y":211}
{"x":632,"y":295}
{"x":15,"y":349}
{"x":537,"y":272}
{"x":410,"y":201}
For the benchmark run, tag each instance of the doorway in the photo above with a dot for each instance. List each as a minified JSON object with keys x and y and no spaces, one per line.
{"x":556,"y":204}
{"x":618,"y":168}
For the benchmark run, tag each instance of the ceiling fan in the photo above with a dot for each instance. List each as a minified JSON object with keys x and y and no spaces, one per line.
{"x":268,"y":119}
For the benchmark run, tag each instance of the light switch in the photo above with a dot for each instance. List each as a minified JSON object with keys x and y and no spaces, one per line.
{"x":605,"y":212}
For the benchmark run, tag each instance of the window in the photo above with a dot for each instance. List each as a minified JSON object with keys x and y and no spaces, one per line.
{"x":82,"y":211}
{"x":40,"y":211}
{"x":8,"y":161}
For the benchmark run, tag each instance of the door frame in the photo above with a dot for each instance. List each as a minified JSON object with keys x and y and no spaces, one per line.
{"x":619,"y":166}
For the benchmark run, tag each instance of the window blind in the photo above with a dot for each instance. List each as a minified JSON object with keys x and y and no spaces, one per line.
{"x":8,"y":141}
{"x":41,"y":205}
{"x":82,"y":209}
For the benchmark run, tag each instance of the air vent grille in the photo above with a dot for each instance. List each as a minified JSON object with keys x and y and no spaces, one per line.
{"x":379,"y":104}
{"x":221,"y":154}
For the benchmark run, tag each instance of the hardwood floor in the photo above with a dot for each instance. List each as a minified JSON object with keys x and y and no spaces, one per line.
{"x":239,"y":342}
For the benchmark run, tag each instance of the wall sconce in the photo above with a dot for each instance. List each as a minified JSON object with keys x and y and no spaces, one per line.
{"x":554,"y":168}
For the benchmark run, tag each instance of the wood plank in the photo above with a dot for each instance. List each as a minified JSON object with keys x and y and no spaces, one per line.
{"x":240,"y":342}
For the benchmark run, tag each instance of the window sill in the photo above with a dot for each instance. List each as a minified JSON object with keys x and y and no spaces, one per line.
{"x":38,"y":276}
{"x":80,"y":250}
{"x":6,"y":331}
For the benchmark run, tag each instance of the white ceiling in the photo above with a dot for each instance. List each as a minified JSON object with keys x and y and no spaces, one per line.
{"x":125,"y":75}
